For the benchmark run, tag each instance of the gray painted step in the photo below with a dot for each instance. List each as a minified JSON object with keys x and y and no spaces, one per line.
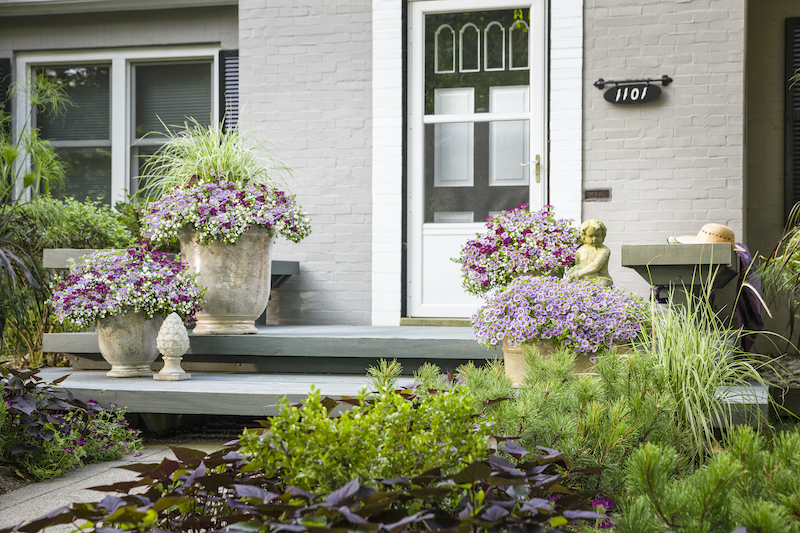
{"x":209,"y":394}
{"x":303,"y":349}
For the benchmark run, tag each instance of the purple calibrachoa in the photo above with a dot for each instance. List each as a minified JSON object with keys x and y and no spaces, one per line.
{"x":111,"y":282}
{"x":222,"y":209}
{"x":517,"y":242}
{"x":583,"y":316}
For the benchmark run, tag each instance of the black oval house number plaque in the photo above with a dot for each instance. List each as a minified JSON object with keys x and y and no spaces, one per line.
{"x":633,"y":94}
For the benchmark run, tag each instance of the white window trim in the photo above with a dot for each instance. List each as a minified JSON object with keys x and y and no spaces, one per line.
{"x":121,"y":61}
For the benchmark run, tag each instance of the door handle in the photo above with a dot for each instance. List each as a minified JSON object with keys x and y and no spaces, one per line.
{"x":537,"y":167}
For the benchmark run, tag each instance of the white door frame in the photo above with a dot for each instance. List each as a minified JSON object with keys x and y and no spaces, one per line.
{"x":417,"y":307}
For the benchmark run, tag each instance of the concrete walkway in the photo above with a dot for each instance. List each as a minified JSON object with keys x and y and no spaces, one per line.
{"x":37,"y":499}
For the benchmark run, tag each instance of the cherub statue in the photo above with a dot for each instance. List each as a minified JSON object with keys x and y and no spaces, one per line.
{"x":591,"y":259}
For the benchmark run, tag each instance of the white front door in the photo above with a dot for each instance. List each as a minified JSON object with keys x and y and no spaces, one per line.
{"x":476,"y":134}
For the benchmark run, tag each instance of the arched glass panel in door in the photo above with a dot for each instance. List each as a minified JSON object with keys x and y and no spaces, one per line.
{"x":477,"y":127}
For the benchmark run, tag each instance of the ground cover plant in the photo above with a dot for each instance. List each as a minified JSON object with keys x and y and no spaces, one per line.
{"x":43,"y":435}
{"x":228,"y":490}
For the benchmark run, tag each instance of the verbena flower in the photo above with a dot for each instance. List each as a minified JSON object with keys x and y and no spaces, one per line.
{"x":583,"y":316}
{"x":517,"y":242}
{"x":222,"y":209}
{"x":112,"y":282}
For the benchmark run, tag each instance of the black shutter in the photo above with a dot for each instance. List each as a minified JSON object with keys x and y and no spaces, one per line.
{"x":792,"y":121}
{"x":229,"y":88}
{"x":5,"y":81}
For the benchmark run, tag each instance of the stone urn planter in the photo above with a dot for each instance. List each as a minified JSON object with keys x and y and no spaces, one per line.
{"x":517,"y":368}
{"x":238,"y":278}
{"x":128,"y":343}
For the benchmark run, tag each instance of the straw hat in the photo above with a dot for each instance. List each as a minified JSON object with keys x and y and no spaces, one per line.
{"x":710,"y":233}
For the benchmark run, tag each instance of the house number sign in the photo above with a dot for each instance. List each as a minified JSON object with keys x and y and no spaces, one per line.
{"x":640,"y":93}
{"x":633,"y":91}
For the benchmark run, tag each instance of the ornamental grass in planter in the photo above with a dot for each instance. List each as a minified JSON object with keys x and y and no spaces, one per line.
{"x":221,"y":201}
{"x":127,"y":292}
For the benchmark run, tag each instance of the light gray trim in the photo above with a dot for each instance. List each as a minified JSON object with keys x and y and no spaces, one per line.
{"x":11,"y":8}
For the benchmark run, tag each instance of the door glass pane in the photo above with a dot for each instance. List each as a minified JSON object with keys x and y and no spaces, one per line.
{"x":508,"y":141}
{"x":451,"y":203}
{"x":171,"y":93}
{"x":475,"y":169}
{"x":88,"y":173}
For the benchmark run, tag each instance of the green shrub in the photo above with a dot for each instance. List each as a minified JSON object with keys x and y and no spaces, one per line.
{"x":747,"y":484}
{"x":46,"y":222}
{"x":393,"y":434}
{"x":49,"y":223}
{"x":595,"y":419}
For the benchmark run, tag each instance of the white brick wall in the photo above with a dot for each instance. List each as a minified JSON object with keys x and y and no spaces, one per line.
{"x":676,"y":164}
{"x":305,"y":74}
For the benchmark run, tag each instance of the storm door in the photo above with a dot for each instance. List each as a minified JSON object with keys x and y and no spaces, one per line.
{"x":476,"y":117}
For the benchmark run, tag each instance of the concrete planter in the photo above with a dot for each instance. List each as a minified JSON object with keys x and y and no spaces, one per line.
{"x":237,"y":277}
{"x":517,"y":368}
{"x":128,"y":343}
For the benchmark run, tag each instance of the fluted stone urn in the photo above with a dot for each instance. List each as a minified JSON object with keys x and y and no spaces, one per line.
{"x":128,"y":343}
{"x":238,"y":277}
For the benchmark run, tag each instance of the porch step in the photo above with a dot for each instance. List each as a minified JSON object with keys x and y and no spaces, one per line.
{"x":302,"y":349}
{"x":207,"y":394}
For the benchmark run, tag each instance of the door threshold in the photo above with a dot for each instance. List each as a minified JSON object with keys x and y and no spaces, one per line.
{"x":436,"y":322}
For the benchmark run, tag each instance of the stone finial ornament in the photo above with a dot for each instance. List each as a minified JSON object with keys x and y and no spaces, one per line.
{"x":172,"y":342}
{"x":591,"y":259}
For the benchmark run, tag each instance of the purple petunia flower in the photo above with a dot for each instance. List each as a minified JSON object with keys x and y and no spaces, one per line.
{"x":582,"y":315}
{"x":517,"y":242}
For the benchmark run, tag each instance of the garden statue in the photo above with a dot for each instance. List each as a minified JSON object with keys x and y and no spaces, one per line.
{"x":591,"y":259}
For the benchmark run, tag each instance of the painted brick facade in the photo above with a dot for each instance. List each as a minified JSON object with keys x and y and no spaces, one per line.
{"x":676,"y":164}
{"x":305,"y":78}
{"x":106,"y":30}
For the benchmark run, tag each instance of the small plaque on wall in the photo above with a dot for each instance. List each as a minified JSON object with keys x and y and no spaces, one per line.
{"x":597,"y":195}
{"x":640,"y":93}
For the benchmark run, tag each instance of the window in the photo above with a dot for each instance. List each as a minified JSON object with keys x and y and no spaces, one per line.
{"x":122,"y":101}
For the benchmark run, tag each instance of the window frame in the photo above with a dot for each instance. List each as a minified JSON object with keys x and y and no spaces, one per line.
{"x":122,"y":62}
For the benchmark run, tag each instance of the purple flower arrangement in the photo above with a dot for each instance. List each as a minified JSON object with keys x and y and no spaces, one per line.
{"x":112,"y":282}
{"x":222,"y":208}
{"x":517,"y":242}
{"x":583,"y":316}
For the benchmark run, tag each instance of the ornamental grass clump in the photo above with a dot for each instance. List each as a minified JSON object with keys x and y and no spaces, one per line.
{"x":517,"y":242}
{"x":581,"y":316}
{"x":221,"y":207}
{"x":113,"y":282}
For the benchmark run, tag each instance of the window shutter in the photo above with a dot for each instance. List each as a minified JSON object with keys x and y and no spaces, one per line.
{"x":792,"y":120}
{"x":229,"y":88}
{"x":5,"y":81}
